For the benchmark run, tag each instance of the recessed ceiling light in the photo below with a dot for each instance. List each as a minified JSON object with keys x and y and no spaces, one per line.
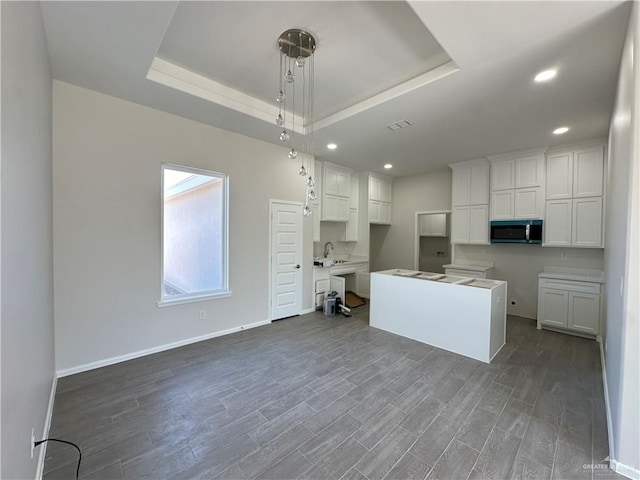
{"x":332,"y":146}
{"x":560,"y":130}
{"x":388,"y":166}
{"x":546,"y":75}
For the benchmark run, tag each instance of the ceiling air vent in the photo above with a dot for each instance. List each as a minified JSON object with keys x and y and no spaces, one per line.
{"x":398,"y":125}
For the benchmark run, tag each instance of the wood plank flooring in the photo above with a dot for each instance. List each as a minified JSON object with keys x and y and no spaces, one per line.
{"x":331,"y":398}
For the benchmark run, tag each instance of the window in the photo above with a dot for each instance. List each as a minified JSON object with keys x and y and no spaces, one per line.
{"x":195,"y":234}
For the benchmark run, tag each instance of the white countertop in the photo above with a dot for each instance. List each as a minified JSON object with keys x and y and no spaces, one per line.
{"x":444,"y":278}
{"x":578,"y":274}
{"x":343,"y":261}
{"x":469,"y":266}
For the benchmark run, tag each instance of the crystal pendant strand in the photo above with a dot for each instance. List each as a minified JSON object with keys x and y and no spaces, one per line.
{"x":296,"y":51}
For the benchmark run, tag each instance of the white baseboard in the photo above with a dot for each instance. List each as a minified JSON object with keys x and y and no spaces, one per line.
{"x":625,"y":470}
{"x":606,"y":403}
{"x":45,"y":431}
{"x":616,"y":466}
{"x":142,"y":353}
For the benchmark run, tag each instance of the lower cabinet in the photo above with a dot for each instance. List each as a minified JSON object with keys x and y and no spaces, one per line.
{"x":569,"y":305}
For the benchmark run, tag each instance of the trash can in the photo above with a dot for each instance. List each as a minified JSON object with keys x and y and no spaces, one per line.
{"x":330,"y":304}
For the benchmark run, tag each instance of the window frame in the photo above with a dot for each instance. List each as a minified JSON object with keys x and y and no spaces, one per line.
{"x":224,"y":291}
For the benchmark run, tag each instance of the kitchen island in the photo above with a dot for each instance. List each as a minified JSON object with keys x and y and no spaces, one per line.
{"x":460,"y":314}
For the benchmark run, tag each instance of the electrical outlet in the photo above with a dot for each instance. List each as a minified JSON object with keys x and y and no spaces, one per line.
{"x":33,"y":440}
{"x":203,"y":314}
{"x":563,"y":256}
{"x":514,"y":303}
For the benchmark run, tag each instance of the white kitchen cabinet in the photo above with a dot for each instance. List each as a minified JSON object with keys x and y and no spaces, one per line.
{"x":351,"y":229}
{"x":335,"y":209}
{"x":336,"y":193}
{"x":574,"y":223}
{"x":559,"y":175}
{"x":321,"y":284}
{"x":433,"y":225}
{"x":470,"y":225}
{"x":569,"y":305}
{"x":479,"y":224}
{"x":379,"y":199}
{"x":574,"y":193}
{"x":586,"y":223}
{"x":470,"y":183}
{"x":315,"y":207}
{"x":557,"y":223}
{"x":529,"y":170}
{"x":470,"y":200}
{"x":460,"y":225}
{"x":502,"y":174}
{"x":363,"y":280}
{"x":517,"y":186}
{"x":588,"y":172}
{"x":575,"y":173}
{"x":502,"y":204}
{"x":338,"y":284}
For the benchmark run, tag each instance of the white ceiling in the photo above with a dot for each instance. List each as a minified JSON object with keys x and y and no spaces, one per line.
{"x":491,"y":105}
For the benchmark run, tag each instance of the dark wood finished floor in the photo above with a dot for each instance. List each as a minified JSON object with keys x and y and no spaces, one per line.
{"x":329,"y":398}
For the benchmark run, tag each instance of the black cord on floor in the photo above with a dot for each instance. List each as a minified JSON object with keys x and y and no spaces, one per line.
{"x":68,"y":443}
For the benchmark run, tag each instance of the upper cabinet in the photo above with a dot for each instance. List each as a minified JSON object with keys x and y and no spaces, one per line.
{"x":470,"y":200}
{"x":517,"y":185}
{"x":433,"y":224}
{"x":351,"y":233}
{"x":336,"y":193}
{"x":380,"y":199}
{"x":574,"y":197}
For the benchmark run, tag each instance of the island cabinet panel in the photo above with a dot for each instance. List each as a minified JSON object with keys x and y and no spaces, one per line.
{"x":461,"y":318}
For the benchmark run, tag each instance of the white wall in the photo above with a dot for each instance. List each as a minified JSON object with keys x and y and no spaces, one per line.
{"x":107,"y":200}
{"x":622,"y":334}
{"x":394,"y":246}
{"x":27,"y":288}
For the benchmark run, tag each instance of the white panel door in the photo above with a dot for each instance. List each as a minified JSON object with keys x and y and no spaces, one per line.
{"x":557,"y":223}
{"x":374,"y":188}
{"x":344,"y":184}
{"x":479,"y":193}
{"x":559,"y":175}
{"x":587,"y":222}
{"x":479,"y":224}
{"x":502,"y":205}
{"x":385,"y":191}
{"x":553,"y":307}
{"x":374,"y":212}
{"x":584,"y":312}
{"x":461,"y":186}
{"x":338,"y":284}
{"x":385,"y":213}
{"x":502,"y":174}
{"x":528,"y":171}
{"x":528,"y":203}
{"x":351,"y":229}
{"x":588,"y":172}
{"x":460,"y":225}
{"x":286,"y":259}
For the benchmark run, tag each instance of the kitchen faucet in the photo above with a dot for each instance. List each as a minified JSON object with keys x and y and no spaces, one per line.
{"x":326,"y":249}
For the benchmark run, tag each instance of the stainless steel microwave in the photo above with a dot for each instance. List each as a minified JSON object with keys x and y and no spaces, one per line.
{"x":516,"y":231}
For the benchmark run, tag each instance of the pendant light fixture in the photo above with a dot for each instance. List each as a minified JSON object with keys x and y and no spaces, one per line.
{"x":296,"y":80}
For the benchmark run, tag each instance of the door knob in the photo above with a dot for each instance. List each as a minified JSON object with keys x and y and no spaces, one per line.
{"x":297,"y":266}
